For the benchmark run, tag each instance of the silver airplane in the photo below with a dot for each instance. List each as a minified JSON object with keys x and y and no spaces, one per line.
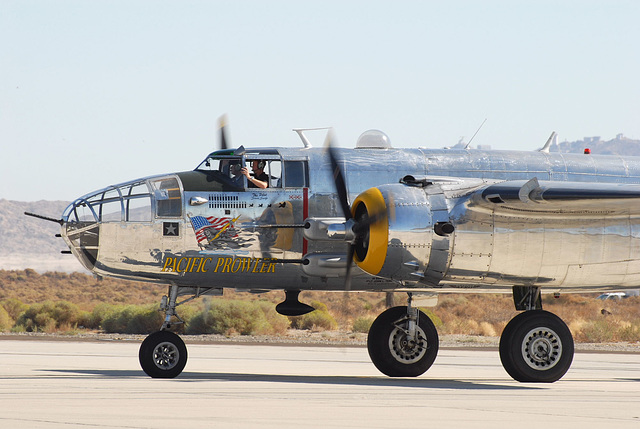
{"x":374,"y":218}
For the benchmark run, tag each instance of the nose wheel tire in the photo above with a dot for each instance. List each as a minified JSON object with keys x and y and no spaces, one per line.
{"x":391,"y":349}
{"x":163,"y":354}
{"x":536,"y":346}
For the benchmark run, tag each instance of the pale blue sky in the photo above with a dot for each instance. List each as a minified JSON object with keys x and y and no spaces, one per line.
{"x":94,"y":93}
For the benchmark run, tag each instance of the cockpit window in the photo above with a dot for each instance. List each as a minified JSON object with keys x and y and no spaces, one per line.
{"x":167,"y":194}
{"x":271,"y":169}
{"x":226,"y":169}
{"x":296,"y":174}
{"x":128,"y":202}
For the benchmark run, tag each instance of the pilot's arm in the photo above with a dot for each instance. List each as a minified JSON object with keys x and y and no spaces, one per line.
{"x":253,"y":182}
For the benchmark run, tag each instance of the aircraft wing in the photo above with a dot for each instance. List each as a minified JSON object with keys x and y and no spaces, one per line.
{"x":562,"y":197}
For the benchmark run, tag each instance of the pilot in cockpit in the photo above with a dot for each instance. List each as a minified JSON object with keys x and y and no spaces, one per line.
{"x":260,"y":179}
{"x":236,"y":172}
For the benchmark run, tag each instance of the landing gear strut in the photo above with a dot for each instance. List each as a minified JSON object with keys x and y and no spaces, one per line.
{"x":403,"y":342}
{"x":163,"y":354}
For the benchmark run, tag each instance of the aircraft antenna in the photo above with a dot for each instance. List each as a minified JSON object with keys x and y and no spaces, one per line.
{"x":547,"y":145}
{"x":478,"y":130}
{"x":305,"y":140}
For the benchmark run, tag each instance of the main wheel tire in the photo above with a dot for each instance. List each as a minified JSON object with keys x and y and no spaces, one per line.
{"x":389,"y":349}
{"x":163,"y":355}
{"x":536,"y":346}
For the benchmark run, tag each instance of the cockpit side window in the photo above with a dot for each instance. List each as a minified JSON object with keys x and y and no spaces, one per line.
{"x":296,"y":174}
{"x":167,"y":195}
{"x":226,"y":169}
{"x":275,"y":174}
{"x":272,"y":168}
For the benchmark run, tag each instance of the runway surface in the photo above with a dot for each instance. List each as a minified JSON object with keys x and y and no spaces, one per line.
{"x":58,"y":384}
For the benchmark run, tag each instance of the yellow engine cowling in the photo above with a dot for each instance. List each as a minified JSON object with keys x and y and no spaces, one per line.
{"x":400,"y":241}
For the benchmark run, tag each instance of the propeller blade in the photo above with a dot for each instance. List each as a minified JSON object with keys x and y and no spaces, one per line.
{"x":222,"y":124}
{"x":338,"y":179}
{"x":347,"y":277}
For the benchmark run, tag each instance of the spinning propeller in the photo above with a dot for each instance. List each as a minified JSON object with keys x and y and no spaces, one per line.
{"x":222,"y":124}
{"x":359,"y":218}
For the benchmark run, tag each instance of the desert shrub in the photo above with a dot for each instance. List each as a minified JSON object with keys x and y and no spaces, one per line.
{"x":98,"y":315}
{"x":230,"y":317}
{"x":630,"y":333}
{"x":186,"y":313}
{"x":595,"y":331}
{"x":434,"y":318}
{"x":6,"y":323}
{"x":320,"y":319}
{"x":50,"y":316}
{"x":14,"y":307}
{"x":114,"y":318}
{"x":132,"y":319}
{"x":362,"y":324}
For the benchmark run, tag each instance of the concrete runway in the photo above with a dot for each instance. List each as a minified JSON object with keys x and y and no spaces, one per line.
{"x":58,"y":384}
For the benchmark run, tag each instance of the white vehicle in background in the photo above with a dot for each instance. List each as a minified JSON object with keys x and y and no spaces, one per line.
{"x":613,"y":295}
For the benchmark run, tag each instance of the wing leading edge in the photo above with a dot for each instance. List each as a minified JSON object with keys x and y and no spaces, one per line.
{"x":612,"y":198}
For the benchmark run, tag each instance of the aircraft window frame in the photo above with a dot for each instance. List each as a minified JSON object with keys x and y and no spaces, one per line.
{"x":144,"y":195}
{"x":225,"y":173}
{"x":84,"y":204}
{"x":288,"y":173}
{"x":137,"y":210}
{"x":268,"y":158}
{"x":275,"y":168}
{"x":110,"y":197}
{"x":162,"y":194}
{"x":98,"y":207}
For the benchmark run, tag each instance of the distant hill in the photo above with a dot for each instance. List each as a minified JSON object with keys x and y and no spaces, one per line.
{"x":620,"y":145}
{"x":27,"y":242}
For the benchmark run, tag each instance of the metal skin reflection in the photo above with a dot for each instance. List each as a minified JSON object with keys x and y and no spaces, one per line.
{"x":420,"y":221}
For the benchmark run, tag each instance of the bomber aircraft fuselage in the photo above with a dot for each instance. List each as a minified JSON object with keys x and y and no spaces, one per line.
{"x":200,"y":227}
{"x":374,"y":218}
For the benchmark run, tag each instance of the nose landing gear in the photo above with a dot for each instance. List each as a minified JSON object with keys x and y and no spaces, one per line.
{"x":163,"y":354}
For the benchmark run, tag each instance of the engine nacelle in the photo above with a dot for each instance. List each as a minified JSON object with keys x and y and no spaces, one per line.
{"x":408,"y":235}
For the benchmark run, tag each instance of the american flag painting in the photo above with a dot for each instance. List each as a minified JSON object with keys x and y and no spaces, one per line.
{"x":201,"y":224}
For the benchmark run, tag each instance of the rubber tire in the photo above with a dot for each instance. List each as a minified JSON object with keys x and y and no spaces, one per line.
{"x":379,"y":347}
{"x":148,"y":349}
{"x":513,"y":337}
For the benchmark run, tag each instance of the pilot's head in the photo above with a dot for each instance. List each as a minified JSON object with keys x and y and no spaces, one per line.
{"x":258,"y":165}
{"x":235,"y":168}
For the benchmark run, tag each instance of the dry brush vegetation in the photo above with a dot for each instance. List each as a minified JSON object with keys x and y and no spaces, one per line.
{"x":59,"y":302}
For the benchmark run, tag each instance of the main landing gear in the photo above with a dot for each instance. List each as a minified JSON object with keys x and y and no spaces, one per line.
{"x":403,"y":342}
{"x":535,"y":346}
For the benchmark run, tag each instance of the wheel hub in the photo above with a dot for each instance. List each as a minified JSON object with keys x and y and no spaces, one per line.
{"x":541,"y":349}
{"x":405,"y":350}
{"x":166,"y":355}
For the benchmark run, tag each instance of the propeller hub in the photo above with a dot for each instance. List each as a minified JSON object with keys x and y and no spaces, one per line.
{"x":371,"y":230}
